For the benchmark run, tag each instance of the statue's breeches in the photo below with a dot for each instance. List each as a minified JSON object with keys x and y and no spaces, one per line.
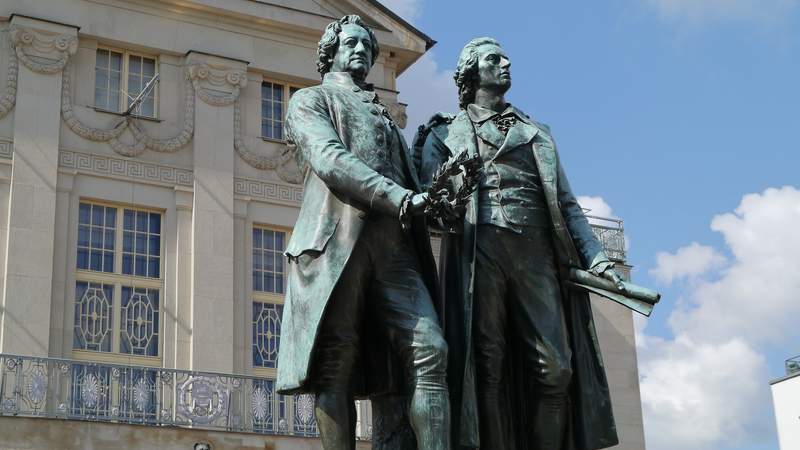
{"x":517,"y":297}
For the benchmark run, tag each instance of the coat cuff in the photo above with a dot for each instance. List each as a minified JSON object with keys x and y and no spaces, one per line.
{"x":388,"y":198}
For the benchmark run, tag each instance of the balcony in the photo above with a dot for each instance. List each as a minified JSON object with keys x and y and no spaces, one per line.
{"x":792,"y":365}
{"x":99,"y":392}
{"x":611,"y":235}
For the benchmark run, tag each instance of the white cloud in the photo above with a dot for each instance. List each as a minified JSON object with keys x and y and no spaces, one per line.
{"x":595,"y":206}
{"x":426,"y":89}
{"x":707,"y":386}
{"x":704,"y":11}
{"x":697,"y":395}
{"x":687,"y":262}
{"x":409,"y":10}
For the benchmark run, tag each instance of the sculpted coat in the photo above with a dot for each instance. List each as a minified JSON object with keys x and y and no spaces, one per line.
{"x":338,"y":141}
{"x":592,"y":424}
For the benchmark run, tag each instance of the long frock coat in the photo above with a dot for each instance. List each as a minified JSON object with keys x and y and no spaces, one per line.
{"x":592,"y":424}
{"x":339,"y":131}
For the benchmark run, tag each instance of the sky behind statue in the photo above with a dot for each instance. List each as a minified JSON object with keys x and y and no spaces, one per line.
{"x":688,"y":109}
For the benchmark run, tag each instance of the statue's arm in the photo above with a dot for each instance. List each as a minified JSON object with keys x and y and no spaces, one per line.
{"x":310,"y":128}
{"x":589,"y":248}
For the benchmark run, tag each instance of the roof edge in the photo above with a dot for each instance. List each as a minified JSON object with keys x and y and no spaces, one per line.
{"x":429,"y":42}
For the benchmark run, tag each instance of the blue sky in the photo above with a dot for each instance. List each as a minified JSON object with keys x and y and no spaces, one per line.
{"x":680,"y":117}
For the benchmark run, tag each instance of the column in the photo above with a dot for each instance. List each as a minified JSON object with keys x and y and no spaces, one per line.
{"x":181,"y":337}
{"x":217,"y":82}
{"x":43,"y":49}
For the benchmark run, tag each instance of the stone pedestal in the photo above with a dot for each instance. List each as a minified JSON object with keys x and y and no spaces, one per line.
{"x":43,"y":49}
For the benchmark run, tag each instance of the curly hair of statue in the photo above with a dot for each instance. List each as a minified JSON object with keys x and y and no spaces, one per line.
{"x":467,"y":70}
{"x":329,"y":42}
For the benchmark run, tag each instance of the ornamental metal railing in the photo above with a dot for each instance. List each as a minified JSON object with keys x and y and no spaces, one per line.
{"x":611,"y":235}
{"x":83,"y":390}
{"x":793,"y":365}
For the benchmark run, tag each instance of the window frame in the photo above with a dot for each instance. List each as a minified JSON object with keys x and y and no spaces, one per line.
{"x":117,"y":280}
{"x":264,"y":297}
{"x":287,"y":91}
{"x":123,"y":84}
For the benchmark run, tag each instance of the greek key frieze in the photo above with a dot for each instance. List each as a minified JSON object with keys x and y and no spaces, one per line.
{"x":124,"y":168}
{"x":268,"y":191}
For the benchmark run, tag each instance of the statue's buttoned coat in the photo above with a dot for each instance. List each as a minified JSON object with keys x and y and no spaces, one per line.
{"x":592,"y":424}
{"x":341,"y":134}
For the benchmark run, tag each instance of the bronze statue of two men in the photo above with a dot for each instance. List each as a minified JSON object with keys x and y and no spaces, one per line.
{"x":498,"y":352}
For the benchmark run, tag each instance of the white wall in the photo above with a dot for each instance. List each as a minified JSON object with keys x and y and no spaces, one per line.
{"x":786,"y":399}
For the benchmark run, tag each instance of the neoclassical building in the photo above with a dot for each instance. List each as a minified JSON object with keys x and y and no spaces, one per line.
{"x":141,"y":265}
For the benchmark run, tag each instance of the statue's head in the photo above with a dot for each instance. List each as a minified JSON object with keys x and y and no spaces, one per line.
{"x":481,"y":64}
{"x":347,"y":45}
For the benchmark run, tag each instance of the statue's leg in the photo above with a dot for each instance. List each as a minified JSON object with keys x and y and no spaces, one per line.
{"x":537,"y":314}
{"x":404,"y":306}
{"x":335,"y":356}
{"x":489,"y":326}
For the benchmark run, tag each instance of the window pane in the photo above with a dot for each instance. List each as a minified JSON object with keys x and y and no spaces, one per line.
{"x":155,"y":223}
{"x":149,"y":67}
{"x":83,"y":258}
{"x":111,"y":217}
{"x":141,"y":221}
{"x":148,"y":107}
{"x":128,"y":219}
{"x":83,"y":236}
{"x":84,"y":213}
{"x":101,"y":79}
{"x":127,"y":264}
{"x":102,"y":58}
{"x":155,"y":245}
{"x":109,"y":239}
{"x":141,"y":266}
{"x":113,"y":102}
{"x":116,"y":61}
{"x":135,"y":64}
{"x":92,"y":323}
{"x":139,"y":318}
{"x":277,"y":92}
{"x":266,"y":328}
{"x":97,"y":215}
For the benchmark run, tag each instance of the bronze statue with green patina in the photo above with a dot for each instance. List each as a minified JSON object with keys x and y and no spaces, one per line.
{"x":525,"y":367}
{"x":361,"y":317}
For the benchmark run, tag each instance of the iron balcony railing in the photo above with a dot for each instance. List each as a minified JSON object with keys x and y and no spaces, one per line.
{"x":792,"y":365}
{"x":611,"y":235}
{"x":82,"y":390}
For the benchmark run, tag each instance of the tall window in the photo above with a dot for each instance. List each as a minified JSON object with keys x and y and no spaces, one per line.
{"x":273,"y":412}
{"x":269,"y":277}
{"x":118,"y":285}
{"x":274,"y":99}
{"x":119,"y":77}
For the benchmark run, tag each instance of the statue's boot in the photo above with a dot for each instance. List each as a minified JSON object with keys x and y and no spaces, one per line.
{"x":552,"y":414}
{"x":430,"y":415}
{"x":336,"y":420}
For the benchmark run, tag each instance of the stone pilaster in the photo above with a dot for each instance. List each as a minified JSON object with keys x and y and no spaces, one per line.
{"x":216,"y":82}
{"x":43,"y":49}
{"x":180,"y":356}
{"x":242,"y":304}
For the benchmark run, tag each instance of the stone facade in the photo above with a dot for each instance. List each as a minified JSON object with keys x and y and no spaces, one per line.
{"x":199,"y":163}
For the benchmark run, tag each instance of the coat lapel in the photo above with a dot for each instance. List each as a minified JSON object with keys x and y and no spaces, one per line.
{"x":520,"y":134}
{"x":490,"y":134}
{"x":461,"y":136}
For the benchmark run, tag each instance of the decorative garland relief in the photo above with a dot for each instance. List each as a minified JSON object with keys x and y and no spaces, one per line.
{"x":208,"y":81}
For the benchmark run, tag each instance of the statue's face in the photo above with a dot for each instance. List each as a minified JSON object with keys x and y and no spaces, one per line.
{"x":354,"y":54}
{"x":494,"y":68}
